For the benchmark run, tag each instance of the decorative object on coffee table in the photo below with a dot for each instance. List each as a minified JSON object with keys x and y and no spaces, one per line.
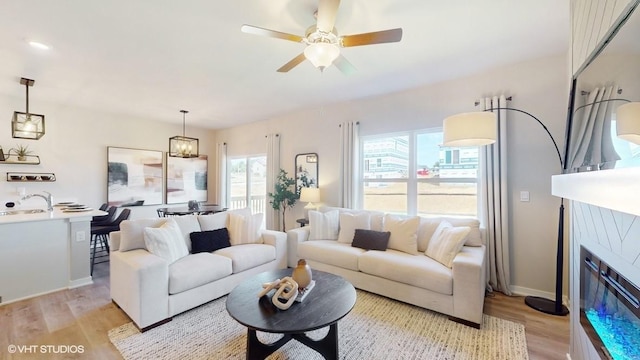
{"x":286,"y":289}
{"x":302,"y":274}
{"x":319,"y":309}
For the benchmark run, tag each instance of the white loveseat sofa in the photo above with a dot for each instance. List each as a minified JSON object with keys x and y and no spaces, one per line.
{"x":151,"y":290}
{"x":406,"y":275}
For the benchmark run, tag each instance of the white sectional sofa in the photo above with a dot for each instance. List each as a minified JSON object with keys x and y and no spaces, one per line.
{"x":403,"y":271}
{"x":151,"y":290}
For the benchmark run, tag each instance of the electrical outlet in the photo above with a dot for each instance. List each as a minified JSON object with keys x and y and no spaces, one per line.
{"x":80,"y":236}
{"x":524,"y":196}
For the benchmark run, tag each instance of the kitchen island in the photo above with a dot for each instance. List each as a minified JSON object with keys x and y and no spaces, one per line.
{"x":44,"y":252}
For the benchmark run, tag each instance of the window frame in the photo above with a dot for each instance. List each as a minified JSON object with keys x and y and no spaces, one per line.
{"x":248,"y":161}
{"x":412,"y":179}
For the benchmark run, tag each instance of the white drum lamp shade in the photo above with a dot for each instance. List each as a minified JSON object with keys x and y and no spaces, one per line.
{"x":628,"y":122}
{"x":310,"y":195}
{"x":470,"y":129}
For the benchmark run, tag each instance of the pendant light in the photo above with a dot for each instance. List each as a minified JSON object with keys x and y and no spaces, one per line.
{"x":26,"y":125}
{"x":182,"y":146}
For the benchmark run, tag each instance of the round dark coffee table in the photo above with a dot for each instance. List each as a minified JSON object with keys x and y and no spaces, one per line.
{"x":329,"y":301}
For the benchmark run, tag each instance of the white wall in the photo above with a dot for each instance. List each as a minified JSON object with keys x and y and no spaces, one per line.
{"x":540,"y":87}
{"x":74,"y":147}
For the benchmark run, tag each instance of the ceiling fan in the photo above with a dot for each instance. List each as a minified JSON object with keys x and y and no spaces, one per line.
{"x":323,"y":42}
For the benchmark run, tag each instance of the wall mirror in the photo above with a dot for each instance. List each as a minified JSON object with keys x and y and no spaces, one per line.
{"x":609,"y":80}
{"x":306,"y":170}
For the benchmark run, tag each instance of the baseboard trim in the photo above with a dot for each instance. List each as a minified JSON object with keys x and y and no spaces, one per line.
{"x":523,"y":291}
{"x":30,"y":296}
{"x":80,"y":282}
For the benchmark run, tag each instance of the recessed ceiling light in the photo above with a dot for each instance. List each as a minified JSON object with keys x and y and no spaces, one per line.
{"x":39,"y":45}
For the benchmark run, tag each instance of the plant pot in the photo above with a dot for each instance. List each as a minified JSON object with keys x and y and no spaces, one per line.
{"x":22,"y":158}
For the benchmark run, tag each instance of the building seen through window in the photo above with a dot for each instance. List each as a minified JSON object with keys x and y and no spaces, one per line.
{"x":412,"y":174}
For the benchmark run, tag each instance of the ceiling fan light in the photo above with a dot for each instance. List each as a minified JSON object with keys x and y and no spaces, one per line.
{"x":321,"y":54}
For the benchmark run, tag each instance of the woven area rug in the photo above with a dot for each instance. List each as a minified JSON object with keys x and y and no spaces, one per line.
{"x":376,"y":328}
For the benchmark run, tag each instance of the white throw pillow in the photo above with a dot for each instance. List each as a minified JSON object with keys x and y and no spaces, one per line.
{"x":323,"y":226}
{"x":404,"y":233}
{"x":349,"y":223}
{"x":245,"y":228}
{"x":166,"y":241}
{"x":446,"y":243}
{"x":213,"y":221}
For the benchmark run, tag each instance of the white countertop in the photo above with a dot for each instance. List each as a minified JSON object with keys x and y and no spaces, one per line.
{"x":56,"y":214}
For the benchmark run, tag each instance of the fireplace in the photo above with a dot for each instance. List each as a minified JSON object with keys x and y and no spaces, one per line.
{"x":609,"y":309}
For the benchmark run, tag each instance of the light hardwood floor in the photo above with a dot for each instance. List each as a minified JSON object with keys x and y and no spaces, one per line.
{"x":82,"y":317}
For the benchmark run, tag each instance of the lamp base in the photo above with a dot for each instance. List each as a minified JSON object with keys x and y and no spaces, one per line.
{"x":545,"y":305}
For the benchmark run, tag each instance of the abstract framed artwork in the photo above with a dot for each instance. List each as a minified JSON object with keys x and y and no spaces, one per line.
{"x":135,"y":177}
{"x":186,"y":179}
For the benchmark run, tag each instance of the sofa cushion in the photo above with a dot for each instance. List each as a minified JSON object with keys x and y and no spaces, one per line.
{"x":248,"y":256}
{"x":417,"y":270}
{"x":323,"y":225}
{"x":187,"y":225}
{"x":244,"y":228}
{"x":404,"y":233}
{"x":349,"y":222}
{"x":371,"y":239}
{"x":429,"y":224}
{"x":331,"y":252}
{"x":209,"y":241}
{"x":376,"y":218}
{"x":132,"y":233}
{"x":446,"y":243}
{"x":166,"y":241}
{"x":197,"y":269}
{"x":213,"y":221}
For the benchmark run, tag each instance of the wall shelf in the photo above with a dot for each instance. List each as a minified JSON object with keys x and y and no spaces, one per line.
{"x":13,"y":159}
{"x":30,"y":177}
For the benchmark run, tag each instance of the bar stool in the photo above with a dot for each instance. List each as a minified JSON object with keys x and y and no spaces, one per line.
{"x":100,"y":233}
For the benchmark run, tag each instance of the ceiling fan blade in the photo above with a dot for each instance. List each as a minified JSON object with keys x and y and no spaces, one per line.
{"x":327,"y":11}
{"x":293,"y":63}
{"x":377,"y":37}
{"x":344,"y":65}
{"x":250,"y":29}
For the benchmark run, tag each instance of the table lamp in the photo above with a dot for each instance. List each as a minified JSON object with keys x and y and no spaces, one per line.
{"x":310,"y":196}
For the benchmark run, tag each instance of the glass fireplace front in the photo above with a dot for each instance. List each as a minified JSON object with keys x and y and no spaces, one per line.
{"x":609,"y":309}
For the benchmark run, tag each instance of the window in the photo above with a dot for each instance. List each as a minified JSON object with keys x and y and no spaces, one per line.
{"x":247,"y":179}
{"x":414,"y":175}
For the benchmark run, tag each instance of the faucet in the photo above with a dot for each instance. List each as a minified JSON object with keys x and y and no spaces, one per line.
{"x":46,"y":198}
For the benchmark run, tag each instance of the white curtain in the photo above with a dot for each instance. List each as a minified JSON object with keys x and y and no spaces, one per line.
{"x":272,"y":217}
{"x":349,"y":164}
{"x":221,"y":168}
{"x":493,"y":193}
{"x":590,"y":142}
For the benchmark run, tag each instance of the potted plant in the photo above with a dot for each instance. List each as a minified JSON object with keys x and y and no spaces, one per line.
{"x":284,"y":194}
{"x":22,"y":151}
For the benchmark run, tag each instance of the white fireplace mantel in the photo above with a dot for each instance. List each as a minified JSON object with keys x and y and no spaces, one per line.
{"x":616,"y":189}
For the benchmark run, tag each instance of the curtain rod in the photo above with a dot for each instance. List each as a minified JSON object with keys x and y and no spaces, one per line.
{"x":478,"y":102}
{"x":619,"y":91}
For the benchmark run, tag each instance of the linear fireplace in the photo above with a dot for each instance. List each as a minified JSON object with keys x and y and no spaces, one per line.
{"x":609,"y":309}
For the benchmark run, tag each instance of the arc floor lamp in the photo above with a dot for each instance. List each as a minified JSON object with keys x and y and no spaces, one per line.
{"x":480,"y":128}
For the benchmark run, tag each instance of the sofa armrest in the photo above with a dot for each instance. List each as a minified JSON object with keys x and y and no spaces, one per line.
{"x":114,"y":241}
{"x":295,"y":236}
{"x":469,"y":283}
{"x":140,"y":285}
{"x":279,"y":240}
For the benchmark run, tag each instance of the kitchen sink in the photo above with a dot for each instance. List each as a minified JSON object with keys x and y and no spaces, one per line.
{"x":18,"y":212}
